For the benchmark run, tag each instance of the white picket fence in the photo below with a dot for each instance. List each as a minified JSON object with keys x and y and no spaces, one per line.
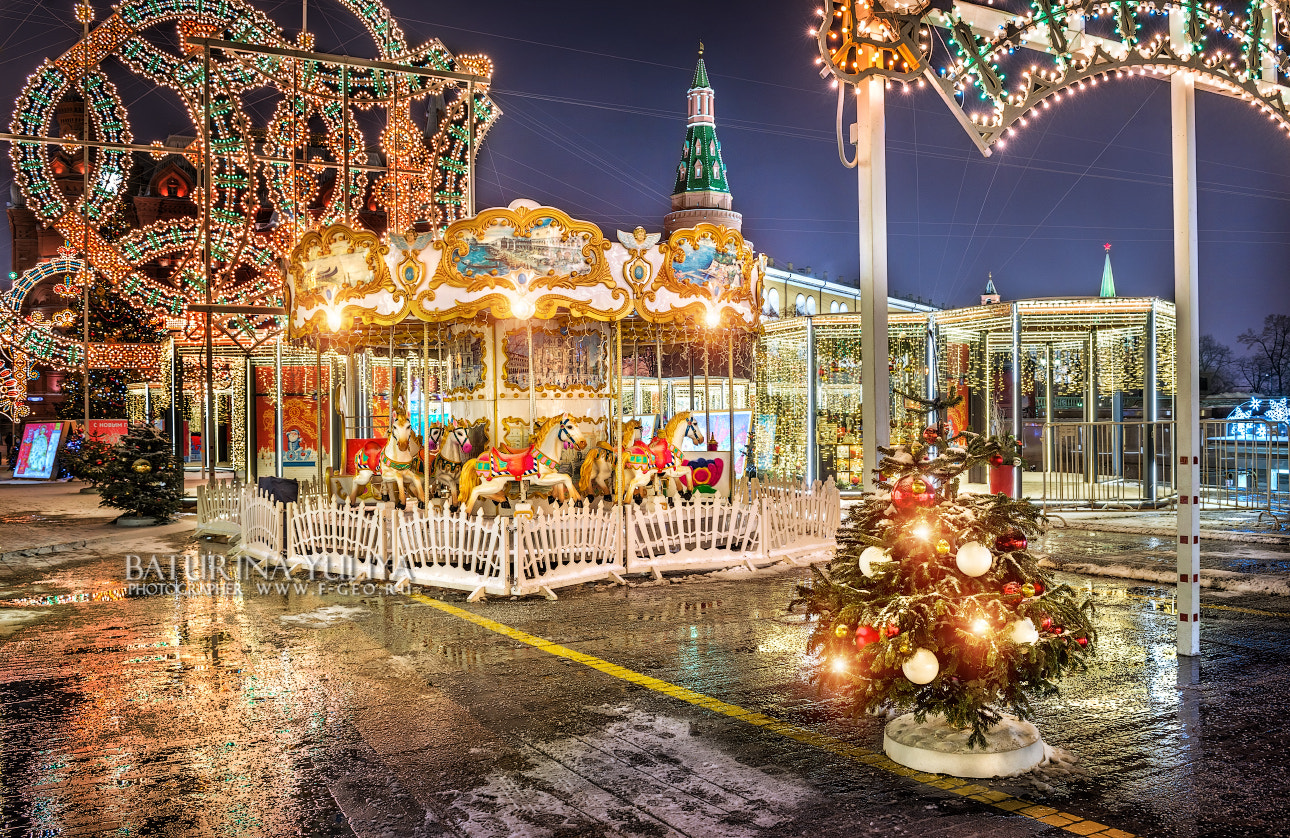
{"x":332,"y":541}
{"x":764,"y":524}
{"x":566,"y":547}
{"x":263,"y":525}
{"x":444,"y":549}
{"x":704,"y":535}
{"x":218,"y":505}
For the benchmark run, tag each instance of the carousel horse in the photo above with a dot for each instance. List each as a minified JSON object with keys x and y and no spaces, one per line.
{"x":661,"y":457}
{"x":487,"y":475}
{"x":396,"y":464}
{"x":597,"y":475}
{"x":459,"y":439}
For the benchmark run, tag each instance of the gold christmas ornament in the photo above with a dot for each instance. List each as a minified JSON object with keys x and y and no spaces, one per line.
{"x":918,"y":486}
{"x":841,"y":630}
{"x":942,"y":548}
{"x":1027,"y":590}
{"x":141,"y":466}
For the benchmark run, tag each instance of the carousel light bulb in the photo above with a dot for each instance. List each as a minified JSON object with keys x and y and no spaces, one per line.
{"x":713,"y":318}
{"x":334,"y":320}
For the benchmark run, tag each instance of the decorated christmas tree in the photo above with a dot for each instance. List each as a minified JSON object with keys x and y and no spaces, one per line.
{"x":144,"y":477}
{"x":87,"y":458}
{"x":933,"y":601}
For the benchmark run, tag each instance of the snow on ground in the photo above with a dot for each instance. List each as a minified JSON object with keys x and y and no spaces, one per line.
{"x":1220,"y":580}
{"x":328,"y":615}
{"x":641,"y":774}
{"x":12,"y":619}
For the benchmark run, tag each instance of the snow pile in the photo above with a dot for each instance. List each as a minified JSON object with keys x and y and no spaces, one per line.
{"x":938,"y":735}
{"x":328,"y":615}
{"x":640,"y":774}
{"x":1219,"y":580}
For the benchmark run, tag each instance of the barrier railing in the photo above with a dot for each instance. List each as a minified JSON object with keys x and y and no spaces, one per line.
{"x":218,"y":503}
{"x":763,"y":524}
{"x":450,"y":550}
{"x":566,"y":547}
{"x":1093,"y":463}
{"x":336,"y":540}
{"x":1245,"y":465}
{"x":262,"y":524}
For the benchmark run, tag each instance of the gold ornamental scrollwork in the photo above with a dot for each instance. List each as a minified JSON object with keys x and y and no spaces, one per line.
{"x":536,"y":254}
{"x":712,"y":270}
{"x":333,"y":271}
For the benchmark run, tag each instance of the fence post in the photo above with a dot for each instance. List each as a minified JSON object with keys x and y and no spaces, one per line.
{"x":629,"y":543}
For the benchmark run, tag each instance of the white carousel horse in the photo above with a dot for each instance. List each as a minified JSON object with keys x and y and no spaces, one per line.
{"x":459,"y":440}
{"x":397,"y":464}
{"x":487,"y":475}
{"x":597,"y":474}
{"x":661,"y":456}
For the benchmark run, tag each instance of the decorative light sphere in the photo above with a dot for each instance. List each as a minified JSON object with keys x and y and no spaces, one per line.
{"x":922,"y":667}
{"x":871,"y":556}
{"x":974,"y":559}
{"x":141,"y":466}
{"x":866,"y":635}
{"x":1023,"y":632}
{"x":913,"y":490}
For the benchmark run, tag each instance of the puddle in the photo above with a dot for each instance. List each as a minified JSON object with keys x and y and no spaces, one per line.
{"x":12,"y":619}
{"x":328,"y":615}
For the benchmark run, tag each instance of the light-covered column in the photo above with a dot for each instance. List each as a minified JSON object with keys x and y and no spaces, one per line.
{"x":871,"y":173}
{"x":1187,"y":343}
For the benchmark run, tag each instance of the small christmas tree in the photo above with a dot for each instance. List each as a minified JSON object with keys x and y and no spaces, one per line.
{"x":87,"y":458}
{"x":932,"y":600}
{"x":144,"y":477}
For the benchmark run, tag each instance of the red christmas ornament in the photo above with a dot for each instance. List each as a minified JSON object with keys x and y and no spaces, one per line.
{"x":866,"y":635}
{"x":1010,"y":542}
{"x":1012,"y":589}
{"x":1046,"y":623}
{"x":913,"y":490}
{"x":996,"y":459}
{"x":1039,"y":587}
{"x":930,"y":435}
{"x":1057,"y":629}
{"x":1083,"y":641}
{"x":892,"y":629}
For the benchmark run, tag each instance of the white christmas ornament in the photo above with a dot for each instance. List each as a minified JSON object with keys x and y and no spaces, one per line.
{"x":922,"y":667}
{"x":871,"y":556}
{"x":974,"y":558}
{"x":1023,"y":632}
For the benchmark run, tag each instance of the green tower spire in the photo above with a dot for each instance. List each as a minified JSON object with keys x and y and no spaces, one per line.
{"x":1108,"y":278}
{"x":702,"y":172}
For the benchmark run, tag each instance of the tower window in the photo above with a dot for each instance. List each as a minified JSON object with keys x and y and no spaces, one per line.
{"x":698,"y":168}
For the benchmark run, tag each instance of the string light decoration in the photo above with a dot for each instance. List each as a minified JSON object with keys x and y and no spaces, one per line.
{"x":427,"y":178}
{"x":1004,"y":76}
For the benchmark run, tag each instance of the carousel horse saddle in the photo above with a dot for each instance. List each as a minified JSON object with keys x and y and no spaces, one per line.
{"x":515,"y":463}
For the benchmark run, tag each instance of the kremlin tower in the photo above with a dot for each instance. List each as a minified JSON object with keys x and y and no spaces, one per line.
{"x":702,"y":192}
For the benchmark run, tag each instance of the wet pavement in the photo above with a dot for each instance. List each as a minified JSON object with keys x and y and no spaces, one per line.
{"x":289,"y":712}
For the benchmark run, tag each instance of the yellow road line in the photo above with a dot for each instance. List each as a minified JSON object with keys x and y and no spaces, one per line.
{"x":1282,"y":614}
{"x":1044,"y":814}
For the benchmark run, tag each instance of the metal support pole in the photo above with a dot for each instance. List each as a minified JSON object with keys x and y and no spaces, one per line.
{"x":425,"y":404}
{"x":1016,"y":391}
{"x":1150,"y":408}
{"x":871,"y":174}
{"x":1090,"y":413}
{"x":88,"y":274}
{"x":208,"y":430}
{"x":528,"y":332}
{"x":931,"y":387}
{"x":812,"y":382}
{"x":616,"y":416}
{"x":1187,"y":352}
{"x":1050,"y":441}
{"x":248,"y":422}
{"x":659,"y":399}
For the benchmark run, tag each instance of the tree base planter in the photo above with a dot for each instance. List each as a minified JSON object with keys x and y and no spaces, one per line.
{"x":131,"y":521}
{"x":1012,"y":747}
{"x":1001,"y":480}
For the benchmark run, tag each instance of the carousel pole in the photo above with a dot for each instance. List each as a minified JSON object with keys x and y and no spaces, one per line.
{"x":707,"y":380}
{"x":425,"y":402}
{"x":617,"y":414}
{"x":277,"y":407}
{"x":318,"y":438}
{"x":730,"y":408}
{"x":636,"y":378}
{"x":658,"y":372}
{"x":208,"y":429}
{"x":528,"y":331}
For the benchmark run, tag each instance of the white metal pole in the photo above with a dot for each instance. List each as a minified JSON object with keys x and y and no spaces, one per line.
{"x":1187,"y":343}
{"x":1016,"y":391}
{"x":871,"y":173}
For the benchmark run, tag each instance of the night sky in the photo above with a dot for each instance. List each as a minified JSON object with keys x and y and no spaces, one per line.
{"x":593,"y":96}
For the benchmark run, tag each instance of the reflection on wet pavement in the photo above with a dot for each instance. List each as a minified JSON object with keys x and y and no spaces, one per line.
{"x":327,"y":715}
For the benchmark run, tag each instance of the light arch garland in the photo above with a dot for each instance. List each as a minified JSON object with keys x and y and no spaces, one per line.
{"x":998,"y":71}
{"x":427,"y":181}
